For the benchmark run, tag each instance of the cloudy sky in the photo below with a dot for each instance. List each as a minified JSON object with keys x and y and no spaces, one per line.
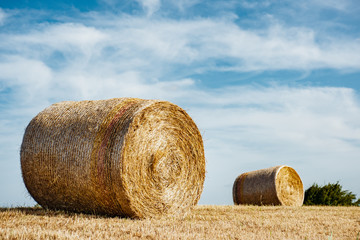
{"x":267,"y":82}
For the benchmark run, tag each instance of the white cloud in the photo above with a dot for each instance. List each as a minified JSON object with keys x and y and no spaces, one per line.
{"x":255,"y":4}
{"x":247,"y":128}
{"x":199,"y":41}
{"x":183,"y":5}
{"x":28,"y":79}
{"x":306,"y":4}
{"x":291,"y":114}
{"x":156,"y":46}
{"x":151,"y":6}
{"x":338,"y":5}
{"x":72,"y":39}
{"x":277,"y":47}
{"x":2,"y":17}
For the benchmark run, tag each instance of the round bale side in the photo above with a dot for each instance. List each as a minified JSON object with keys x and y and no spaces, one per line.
{"x":123,"y":156}
{"x":280,"y":185}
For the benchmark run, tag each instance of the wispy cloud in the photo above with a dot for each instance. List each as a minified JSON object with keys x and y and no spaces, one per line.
{"x":129,"y":43}
{"x":150,"y":6}
{"x":183,"y":5}
{"x":306,"y":4}
{"x":338,"y":5}
{"x":247,"y":128}
{"x":2,"y":16}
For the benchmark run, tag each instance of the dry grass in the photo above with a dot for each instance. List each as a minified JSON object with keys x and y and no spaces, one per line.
{"x":204,"y":222}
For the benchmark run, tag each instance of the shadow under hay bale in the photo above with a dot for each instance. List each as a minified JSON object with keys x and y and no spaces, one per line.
{"x":123,"y":156}
{"x":280,"y":185}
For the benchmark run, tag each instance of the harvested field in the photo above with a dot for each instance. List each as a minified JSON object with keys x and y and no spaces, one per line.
{"x":204,"y":222}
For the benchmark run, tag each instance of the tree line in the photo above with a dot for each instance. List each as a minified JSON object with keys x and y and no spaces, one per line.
{"x":330,"y":194}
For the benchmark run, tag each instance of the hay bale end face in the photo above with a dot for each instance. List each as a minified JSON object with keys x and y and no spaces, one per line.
{"x":123,"y":156}
{"x":280,"y":185}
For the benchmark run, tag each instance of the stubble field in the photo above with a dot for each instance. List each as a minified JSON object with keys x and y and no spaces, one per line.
{"x":204,"y":222}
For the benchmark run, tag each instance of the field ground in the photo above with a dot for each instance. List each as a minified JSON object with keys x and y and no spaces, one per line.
{"x":204,"y":222}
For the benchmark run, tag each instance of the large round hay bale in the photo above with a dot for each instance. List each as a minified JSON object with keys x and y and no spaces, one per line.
{"x":123,"y":156}
{"x":280,"y":185}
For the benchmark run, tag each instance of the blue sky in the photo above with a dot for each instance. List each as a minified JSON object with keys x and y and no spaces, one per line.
{"x":267,"y":82}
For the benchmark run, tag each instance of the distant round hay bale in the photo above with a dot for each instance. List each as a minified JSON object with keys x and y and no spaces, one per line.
{"x":280,"y":185}
{"x":122,"y":156}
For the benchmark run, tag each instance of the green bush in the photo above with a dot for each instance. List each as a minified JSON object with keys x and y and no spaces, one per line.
{"x":330,"y":195}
